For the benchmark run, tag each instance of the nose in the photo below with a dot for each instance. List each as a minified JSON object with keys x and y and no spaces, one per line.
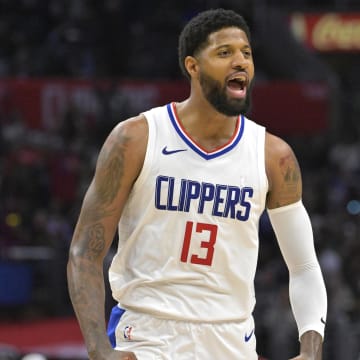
{"x":240,"y":60}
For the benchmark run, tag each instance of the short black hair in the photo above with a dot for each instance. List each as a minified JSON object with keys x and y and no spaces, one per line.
{"x":195,"y":34}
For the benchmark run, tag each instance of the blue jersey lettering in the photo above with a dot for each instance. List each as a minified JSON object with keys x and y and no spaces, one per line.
{"x":217,"y":199}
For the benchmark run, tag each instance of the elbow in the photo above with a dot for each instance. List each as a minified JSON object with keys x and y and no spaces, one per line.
{"x":310,"y":266}
{"x":84,"y":258}
{"x":73,"y":256}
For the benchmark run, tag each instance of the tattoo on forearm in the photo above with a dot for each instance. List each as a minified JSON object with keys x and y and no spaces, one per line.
{"x":96,"y":241}
{"x":86,"y":288}
{"x":90,"y":274}
{"x":78,"y":294}
{"x":94,"y":214}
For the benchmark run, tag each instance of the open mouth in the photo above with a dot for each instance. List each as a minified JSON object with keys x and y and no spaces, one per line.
{"x":237,"y":86}
{"x":237,"y":83}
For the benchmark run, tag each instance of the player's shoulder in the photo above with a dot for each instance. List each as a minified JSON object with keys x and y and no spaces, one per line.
{"x":128,"y":139}
{"x":132,"y":125}
{"x":133,"y":132}
{"x":130,"y":130}
{"x":276,"y":147}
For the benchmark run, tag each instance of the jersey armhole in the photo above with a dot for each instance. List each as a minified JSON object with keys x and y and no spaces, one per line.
{"x":264,"y":182}
{"x":149,"y":154}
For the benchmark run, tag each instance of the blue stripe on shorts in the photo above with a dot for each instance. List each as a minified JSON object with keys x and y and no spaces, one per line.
{"x":115,"y":317}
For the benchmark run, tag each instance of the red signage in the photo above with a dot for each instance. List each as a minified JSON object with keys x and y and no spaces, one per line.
{"x":283,"y":107}
{"x":327,"y":31}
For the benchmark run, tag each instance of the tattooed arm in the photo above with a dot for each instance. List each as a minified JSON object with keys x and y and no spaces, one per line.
{"x":293,"y":230}
{"x":282,"y":168}
{"x":118,"y":166}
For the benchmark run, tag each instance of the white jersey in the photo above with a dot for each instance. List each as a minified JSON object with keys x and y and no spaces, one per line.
{"x":188,"y":235}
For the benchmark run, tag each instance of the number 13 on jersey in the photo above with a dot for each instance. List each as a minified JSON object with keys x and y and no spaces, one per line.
{"x":207,"y":244}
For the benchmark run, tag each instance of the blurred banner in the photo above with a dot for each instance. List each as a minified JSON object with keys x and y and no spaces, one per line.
{"x":331,"y":32}
{"x":43,"y":102}
{"x":284,"y":107}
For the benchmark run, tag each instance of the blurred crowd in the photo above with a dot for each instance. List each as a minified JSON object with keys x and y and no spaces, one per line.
{"x":118,"y":39}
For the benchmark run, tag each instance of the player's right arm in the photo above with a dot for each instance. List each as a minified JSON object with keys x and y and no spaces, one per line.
{"x":118,"y":165}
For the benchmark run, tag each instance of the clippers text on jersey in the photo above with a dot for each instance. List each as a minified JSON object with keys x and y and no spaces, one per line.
{"x":227,"y":201}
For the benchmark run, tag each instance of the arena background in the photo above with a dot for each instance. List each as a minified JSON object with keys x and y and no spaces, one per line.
{"x":71,"y":69}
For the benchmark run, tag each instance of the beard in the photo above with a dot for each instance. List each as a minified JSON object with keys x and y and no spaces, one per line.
{"x":216,"y":95}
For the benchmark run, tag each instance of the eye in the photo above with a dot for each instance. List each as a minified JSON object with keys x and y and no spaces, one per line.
{"x":247,"y":53}
{"x":224,"y":52}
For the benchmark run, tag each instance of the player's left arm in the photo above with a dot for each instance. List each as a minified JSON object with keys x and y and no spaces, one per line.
{"x":293,"y":230}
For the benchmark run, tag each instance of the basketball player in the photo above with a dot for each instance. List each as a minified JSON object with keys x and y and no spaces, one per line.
{"x":185,"y":184}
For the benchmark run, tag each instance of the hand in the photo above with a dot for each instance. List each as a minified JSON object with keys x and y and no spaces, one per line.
{"x":310,"y":346}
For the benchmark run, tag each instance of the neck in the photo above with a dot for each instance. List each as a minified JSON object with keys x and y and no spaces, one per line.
{"x":204,"y":124}
{"x":198,"y":111}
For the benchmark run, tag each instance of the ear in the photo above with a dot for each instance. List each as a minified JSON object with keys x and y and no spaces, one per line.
{"x":191,"y":65}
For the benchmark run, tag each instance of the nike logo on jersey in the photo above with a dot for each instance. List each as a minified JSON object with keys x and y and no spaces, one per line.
{"x":248,"y":337}
{"x":165,"y":151}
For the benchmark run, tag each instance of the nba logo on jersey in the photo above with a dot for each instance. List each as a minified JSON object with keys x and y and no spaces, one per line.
{"x":127,"y":332}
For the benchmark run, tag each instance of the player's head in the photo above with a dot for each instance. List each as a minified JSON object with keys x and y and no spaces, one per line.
{"x":194,"y":36}
{"x":215,"y":54}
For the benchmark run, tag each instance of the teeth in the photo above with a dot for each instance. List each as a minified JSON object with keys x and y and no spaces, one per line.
{"x":241,"y":82}
{"x":241,"y":79}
